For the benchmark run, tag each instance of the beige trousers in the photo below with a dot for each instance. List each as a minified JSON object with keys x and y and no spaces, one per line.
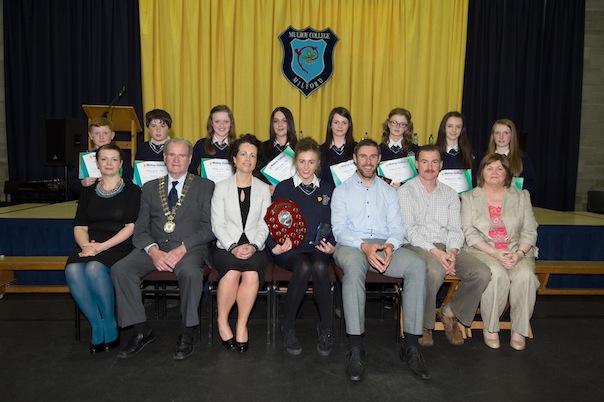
{"x":519,"y":284}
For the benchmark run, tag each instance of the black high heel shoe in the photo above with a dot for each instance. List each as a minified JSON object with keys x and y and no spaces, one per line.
{"x":242,"y":347}
{"x":112,"y":344}
{"x":229,"y":344}
{"x":98,"y":348}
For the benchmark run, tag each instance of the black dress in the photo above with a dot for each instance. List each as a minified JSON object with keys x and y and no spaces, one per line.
{"x":105,"y":217}
{"x":225,"y":261}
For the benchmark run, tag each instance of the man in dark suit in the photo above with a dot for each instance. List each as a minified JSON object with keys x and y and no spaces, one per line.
{"x":172,"y":233}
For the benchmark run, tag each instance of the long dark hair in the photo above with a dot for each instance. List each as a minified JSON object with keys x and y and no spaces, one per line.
{"x":291,"y":127}
{"x":349,"y":147}
{"x":463,"y":141}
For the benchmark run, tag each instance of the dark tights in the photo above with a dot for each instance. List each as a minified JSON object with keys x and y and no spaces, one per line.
{"x":302,"y":266}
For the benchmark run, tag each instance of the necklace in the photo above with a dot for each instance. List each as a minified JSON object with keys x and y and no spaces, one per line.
{"x":101,"y":192}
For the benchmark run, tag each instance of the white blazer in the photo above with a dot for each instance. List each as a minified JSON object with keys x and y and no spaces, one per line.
{"x":226,"y":213}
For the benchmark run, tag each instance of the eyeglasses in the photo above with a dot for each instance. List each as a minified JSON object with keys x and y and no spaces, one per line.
{"x":397,"y":124}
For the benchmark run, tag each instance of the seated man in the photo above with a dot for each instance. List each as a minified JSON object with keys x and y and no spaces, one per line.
{"x":431,"y":215}
{"x":172,"y":233}
{"x":367,"y":225}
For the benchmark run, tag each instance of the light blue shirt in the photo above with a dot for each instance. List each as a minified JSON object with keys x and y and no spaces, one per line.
{"x":358,"y":213}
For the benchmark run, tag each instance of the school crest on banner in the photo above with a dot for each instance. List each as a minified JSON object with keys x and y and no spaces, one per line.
{"x":307,"y":57}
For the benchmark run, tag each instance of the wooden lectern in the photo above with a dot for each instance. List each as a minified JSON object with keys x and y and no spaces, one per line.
{"x":124,"y":118}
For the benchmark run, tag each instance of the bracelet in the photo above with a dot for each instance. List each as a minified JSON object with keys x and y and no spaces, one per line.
{"x":231,"y":247}
{"x":255,"y":246}
{"x":522,"y":251}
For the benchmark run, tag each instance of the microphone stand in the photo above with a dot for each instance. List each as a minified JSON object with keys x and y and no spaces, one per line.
{"x":119,"y":95}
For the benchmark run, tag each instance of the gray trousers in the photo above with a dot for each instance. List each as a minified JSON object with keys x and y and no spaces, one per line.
{"x":475,"y":277}
{"x":405,"y":264}
{"x":128,"y":272}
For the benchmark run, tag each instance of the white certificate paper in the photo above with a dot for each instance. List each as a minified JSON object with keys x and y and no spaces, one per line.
{"x":280,"y":168}
{"x":87,"y":166}
{"x":459,"y":180}
{"x":145,"y":171}
{"x":398,"y":170}
{"x":342,"y":171}
{"x":215,"y":169}
{"x":518,"y":182}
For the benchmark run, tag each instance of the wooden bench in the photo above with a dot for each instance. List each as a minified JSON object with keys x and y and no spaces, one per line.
{"x":546,"y":268}
{"x":10,"y":264}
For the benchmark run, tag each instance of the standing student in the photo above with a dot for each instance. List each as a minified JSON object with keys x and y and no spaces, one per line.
{"x":221,"y":134}
{"x":396,"y":137}
{"x":453,"y":142}
{"x":339,"y":142}
{"x":100,"y":132}
{"x":158,"y":123}
{"x":504,"y":141}
{"x":282,"y":134}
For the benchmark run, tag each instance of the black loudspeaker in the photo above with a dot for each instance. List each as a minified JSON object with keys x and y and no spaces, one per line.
{"x":65,"y":139}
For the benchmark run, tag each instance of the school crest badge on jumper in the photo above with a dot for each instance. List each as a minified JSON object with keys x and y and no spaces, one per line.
{"x":307,"y":57}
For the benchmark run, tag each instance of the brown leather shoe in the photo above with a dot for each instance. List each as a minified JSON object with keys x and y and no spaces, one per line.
{"x":452,"y":331}
{"x":426,"y":339}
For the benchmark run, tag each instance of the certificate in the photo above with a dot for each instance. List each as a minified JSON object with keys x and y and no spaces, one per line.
{"x":459,"y":180}
{"x":87,"y":166}
{"x":398,"y":170}
{"x":145,"y":171}
{"x":518,"y":182}
{"x":216,"y":169}
{"x":342,"y":171}
{"x":281,"y":168}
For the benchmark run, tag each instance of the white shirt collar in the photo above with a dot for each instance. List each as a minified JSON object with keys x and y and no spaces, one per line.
{"x":298,"y":180}
{"x":399,"y":143}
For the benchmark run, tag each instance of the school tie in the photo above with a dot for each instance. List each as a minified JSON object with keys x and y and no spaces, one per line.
{"x":338,"y":150}
{"x":221,"y":146}
{"x":453,"y":152}
{"x":307,"y":188}
{"x":395,"y":148}
{"x":173,"y":195}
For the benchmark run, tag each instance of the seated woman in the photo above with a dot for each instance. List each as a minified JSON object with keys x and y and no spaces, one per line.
{"x":281,"y":135}
{"x":339,"y":142}
{"x":501,"y":231}
{"x":453,"y":142}
{"x":221,"y":134}
{"x":313,"y":196}
{"x":396,"y":137}
{"x":158,"y":123}
{"x":239,"y":204}
{"x":504,"y":141}
{"x":103,"y":228}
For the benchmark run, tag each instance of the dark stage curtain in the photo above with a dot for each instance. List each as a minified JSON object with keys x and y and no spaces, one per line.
{"x":59,"y":55}
{"x":524,"y":61}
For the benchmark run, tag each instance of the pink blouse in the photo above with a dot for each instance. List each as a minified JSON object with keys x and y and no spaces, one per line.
{"x":497,"y":233}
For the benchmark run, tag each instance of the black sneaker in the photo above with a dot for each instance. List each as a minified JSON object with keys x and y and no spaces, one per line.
{"x":291,"y":342}
{"x":356,"y":364}
{"x":324,"y":342}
